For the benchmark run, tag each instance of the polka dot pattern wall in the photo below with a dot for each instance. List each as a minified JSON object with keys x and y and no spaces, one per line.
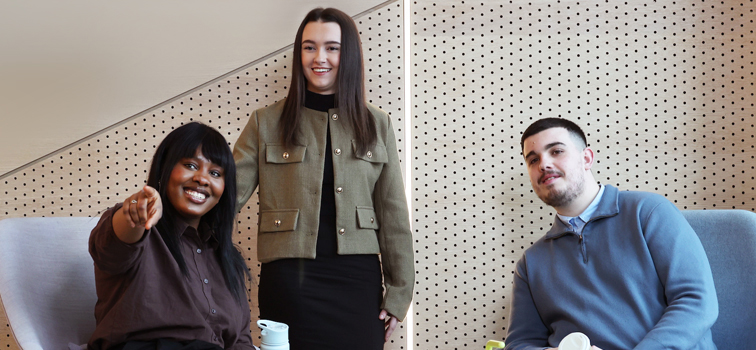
{"x":96,"y":173}
{"x":664,"y":90}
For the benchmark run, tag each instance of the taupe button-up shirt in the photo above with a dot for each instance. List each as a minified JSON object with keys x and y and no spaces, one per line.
{"x":142,"y":294}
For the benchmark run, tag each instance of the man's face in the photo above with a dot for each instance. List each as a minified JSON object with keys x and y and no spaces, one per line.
{"x":557,"y":166}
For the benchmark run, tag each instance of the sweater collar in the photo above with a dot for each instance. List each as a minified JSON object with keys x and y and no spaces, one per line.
{"x":607,"y":206}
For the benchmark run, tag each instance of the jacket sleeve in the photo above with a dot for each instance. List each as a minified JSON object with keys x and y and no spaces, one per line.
{"x":395,"y":234}
{"x":246,"y":158}
{"x":526,"y":331}
{"x":683,"y":269}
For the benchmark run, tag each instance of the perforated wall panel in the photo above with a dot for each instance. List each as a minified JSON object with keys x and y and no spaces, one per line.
{"x":664,"y":90}
{"x":96,"y":173}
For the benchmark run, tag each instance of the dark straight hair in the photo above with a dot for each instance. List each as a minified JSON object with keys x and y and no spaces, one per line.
{"x":181,"y":143}
{"x":547,"y":123}
{"x":350,"y":84}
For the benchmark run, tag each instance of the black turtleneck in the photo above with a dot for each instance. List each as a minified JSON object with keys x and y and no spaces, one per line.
{"x":319,"y":102}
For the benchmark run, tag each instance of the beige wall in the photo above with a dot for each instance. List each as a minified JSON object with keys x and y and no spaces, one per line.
{"x":664,"y":91}
{"x":71,"y":68}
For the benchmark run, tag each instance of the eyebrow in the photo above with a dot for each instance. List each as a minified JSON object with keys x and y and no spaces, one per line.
{"x":327,"y":42}
{"x":557,"y":143}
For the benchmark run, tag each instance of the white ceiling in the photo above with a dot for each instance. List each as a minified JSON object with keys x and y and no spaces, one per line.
{"x":71,"y":68}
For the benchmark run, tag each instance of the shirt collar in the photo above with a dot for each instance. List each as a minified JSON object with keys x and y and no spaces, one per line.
{"x":588,"y":212}
{"x":607,"y":204}
{"x":204,"y":232}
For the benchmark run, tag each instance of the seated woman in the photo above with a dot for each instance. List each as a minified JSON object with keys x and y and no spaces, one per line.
{"x":168,"y":275}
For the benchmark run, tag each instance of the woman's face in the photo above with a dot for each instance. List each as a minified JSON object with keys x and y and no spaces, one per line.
{"x":321,"y":50}
{"x":196,"y":185}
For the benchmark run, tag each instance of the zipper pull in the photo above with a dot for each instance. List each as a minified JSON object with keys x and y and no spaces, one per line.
{"x":582,"y":248}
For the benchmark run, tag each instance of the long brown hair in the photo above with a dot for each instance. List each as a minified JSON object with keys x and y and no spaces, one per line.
{"x":350,"y":84}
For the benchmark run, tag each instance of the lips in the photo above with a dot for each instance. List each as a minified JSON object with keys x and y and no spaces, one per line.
{"x":549,"y":177}
{"x":196,"y":195}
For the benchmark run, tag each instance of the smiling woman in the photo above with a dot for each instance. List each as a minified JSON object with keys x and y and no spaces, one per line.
{"x":331,"y":198}
{"x":321,"y":43}
{"x":195,"y":186}
{"x":149,"y":297}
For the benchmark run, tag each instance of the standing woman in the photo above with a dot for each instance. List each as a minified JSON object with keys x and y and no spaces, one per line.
{"x":331,"y":198}
{"x":167,"y":274}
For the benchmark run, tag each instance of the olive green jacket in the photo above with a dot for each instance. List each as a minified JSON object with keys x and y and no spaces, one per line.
{"x":371,"y":209}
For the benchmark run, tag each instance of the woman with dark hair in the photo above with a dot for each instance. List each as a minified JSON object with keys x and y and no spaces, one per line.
{"x":331,"y":198}
{"x":167,"y":273}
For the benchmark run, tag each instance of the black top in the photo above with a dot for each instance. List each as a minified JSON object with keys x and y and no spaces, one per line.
{"x":326,"y":245}
{"x":318,"y":102}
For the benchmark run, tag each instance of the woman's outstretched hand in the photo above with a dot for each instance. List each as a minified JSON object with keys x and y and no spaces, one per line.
{"x":143,"y":208}
{"x":140,"y":212}
{"x":389,"y":324}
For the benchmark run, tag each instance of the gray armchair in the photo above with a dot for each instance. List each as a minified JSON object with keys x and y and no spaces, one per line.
{"x":47,"y":282}
{"x":729,"y":239}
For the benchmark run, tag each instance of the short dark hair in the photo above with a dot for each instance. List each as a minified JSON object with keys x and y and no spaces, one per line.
{"x":548,"y":123}
{"x":183,"y":142}
{"x":350,"y":84}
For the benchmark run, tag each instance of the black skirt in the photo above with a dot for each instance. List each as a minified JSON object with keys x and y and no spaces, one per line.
{"x":332,"y":302}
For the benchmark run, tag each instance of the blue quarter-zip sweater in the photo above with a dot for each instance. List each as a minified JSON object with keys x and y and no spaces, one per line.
{"x":636,"y":278}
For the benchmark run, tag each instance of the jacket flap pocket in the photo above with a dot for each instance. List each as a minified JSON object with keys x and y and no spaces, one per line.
{"x":278,"y":153}
{"x":278,"y":220}
{"x":375,"y":154}
{"x":366,"y":218}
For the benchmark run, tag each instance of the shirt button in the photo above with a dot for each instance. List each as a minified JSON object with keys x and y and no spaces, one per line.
{"x":286,"y":155}
{"x":335,"y":116}
{"x":337,"y":151}
{"x":342,"y":231}
{"x":199,"y":251}
{"x":212,"y":310}
{"x":369,"y":154}
{"x":339,"y":189}
{"x":206,"y":281}
{"x":372,"y":220}
{"x":277,"y":223}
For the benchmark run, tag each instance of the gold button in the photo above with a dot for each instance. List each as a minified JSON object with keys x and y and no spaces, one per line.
{"x":342,"y":231}
{"x":370,"y":154}
{"x":372,"y":220}
{"x":286,"y":155}
{"x":335,"y":116}
{"x":337,"y":151}
{"x":277,"y":223}
{"x":339,"y":189}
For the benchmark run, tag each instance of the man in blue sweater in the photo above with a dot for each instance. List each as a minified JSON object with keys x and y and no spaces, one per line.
{"x":625,"y":268}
